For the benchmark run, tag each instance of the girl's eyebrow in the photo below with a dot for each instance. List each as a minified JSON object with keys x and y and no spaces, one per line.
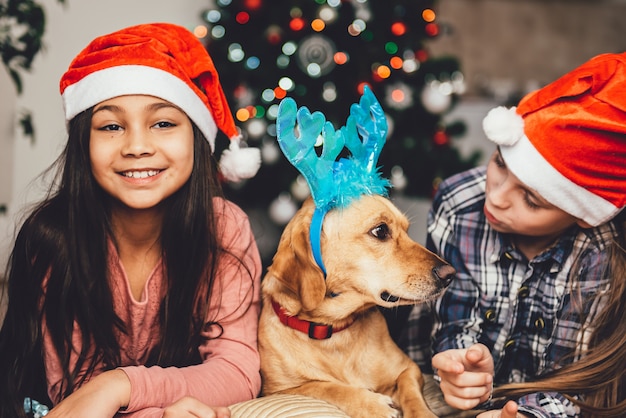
{"x":161,"y":105}
{"x":111,"y":108}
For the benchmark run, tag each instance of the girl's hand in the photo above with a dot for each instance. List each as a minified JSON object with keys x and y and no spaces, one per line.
{"x":191,"y":407}
{"x":509,"y":411}
{"x":101,"y":397}
{"x":466,"y":375}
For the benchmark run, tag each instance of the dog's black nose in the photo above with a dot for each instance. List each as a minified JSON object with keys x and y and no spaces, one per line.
{"x":445,"y":273}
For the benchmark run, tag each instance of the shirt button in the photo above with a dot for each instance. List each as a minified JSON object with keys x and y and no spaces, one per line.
{"x":523,"y":292}
{"x":490,"y":315}
{"x":540,"y":323}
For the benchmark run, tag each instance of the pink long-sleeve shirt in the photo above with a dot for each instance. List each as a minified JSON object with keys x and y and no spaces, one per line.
{"x":229,"y":372}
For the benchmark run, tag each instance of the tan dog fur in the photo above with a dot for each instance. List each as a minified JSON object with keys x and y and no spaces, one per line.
{"x":360,"y":369}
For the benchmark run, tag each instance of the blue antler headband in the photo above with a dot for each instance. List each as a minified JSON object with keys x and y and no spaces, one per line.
{"x":334,"y":182}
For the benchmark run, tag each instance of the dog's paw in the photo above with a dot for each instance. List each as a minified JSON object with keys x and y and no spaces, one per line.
{"x":376,"y":405}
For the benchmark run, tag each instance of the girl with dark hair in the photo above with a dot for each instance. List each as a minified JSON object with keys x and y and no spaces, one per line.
{"x":134,"y":286}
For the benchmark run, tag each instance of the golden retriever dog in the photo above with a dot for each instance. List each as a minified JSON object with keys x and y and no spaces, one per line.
{"x":323,"y":336}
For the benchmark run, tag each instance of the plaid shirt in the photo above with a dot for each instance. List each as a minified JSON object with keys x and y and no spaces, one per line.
{"x":528,"y":312}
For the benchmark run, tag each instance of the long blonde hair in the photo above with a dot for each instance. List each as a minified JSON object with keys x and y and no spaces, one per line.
{"x":596,"y":381}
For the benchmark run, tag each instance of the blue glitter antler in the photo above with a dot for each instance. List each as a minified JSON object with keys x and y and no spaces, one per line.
{"x":335,"y":182}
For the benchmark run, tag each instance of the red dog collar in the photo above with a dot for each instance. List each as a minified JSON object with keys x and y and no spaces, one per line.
{"x":314,"y":330}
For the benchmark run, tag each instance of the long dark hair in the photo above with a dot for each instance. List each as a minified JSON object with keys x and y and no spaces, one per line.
{"x":596,"y":382}
{"x":64,"y":240}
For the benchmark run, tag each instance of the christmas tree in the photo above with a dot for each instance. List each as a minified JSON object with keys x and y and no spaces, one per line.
{"x":322,"y":53}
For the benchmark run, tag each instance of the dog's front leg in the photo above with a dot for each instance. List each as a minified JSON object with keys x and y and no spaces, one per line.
{"x":410,"y":393}
{"x":354,"y":401}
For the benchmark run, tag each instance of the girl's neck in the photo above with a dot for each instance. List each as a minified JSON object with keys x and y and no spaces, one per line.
{"x":137,"y":235}
{"x":136,"y":227}
{"x":532,"y":246}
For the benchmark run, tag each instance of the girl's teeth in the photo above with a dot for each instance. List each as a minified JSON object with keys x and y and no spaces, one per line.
{"x":141,"y":174}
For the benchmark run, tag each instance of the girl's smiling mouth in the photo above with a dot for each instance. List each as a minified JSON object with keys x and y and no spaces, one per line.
{"x":140,"y":174}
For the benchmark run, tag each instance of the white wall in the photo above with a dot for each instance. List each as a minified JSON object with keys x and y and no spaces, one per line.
{"x":69,"y":28}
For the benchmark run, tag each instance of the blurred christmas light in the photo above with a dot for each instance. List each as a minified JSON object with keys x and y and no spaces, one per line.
{"x":289,"y":48}
{"x":218,"y":31}
{"x":300,"y":188}
{"x":441,"y":137}
{"x":340,"y":58}
{"x":383,"y":71}
{"x":242,"y":18}
{"x":391,"y":47}
{"x":253,"y":63}
{"x":296,"y":24}
{"x":410,"y":66}
{"x":272,"y":112}
{"x":361,"y":86}
{"x":431,"y":29}
{"x":253,"y":4}
{"x":259,"y":112}
{"x":396,"y":63}
{"x":270,"y":152}
{"x":279,"y":93}
{"x":282,"y":61}
{"x":273,"y":34}
{"x":353,"y":31}
{"x":328,"y":14}
{"x":242,"y":115}
{"x":428,"y":15}
{"x":200,"y":31}
{"x":282,"y":209}
{"x":397,"y":95}
{"x":286,"y":83}
{"x":398,"y":28}
{"x":398,"y":179}
{"x":256,"y":128}
{"x":329,"y":92}
{"x":313,"y":69}
{"x":318,"y":25}
{"x":212,"y":16}
{"x":268,"y":95}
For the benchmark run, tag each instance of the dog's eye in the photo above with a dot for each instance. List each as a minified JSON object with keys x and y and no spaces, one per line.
{"x":381,"y":232}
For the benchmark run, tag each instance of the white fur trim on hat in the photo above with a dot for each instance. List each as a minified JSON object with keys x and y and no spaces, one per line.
{"x":138,"y":79}
{"x":529,"y":166}
{"x":503,"y":126}
{"x":238,"y":163}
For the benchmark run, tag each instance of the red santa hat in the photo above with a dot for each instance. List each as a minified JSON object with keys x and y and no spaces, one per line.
{"x":165,"y":61}
{"x":567,"y":140}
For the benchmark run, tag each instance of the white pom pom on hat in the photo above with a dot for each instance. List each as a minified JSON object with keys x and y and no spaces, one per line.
{"x":165,"y":61}
{"x":503,"y":125}
{"x":238,"y":163}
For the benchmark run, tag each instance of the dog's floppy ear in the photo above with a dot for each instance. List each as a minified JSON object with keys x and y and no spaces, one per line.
{"x":293,"y":263}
